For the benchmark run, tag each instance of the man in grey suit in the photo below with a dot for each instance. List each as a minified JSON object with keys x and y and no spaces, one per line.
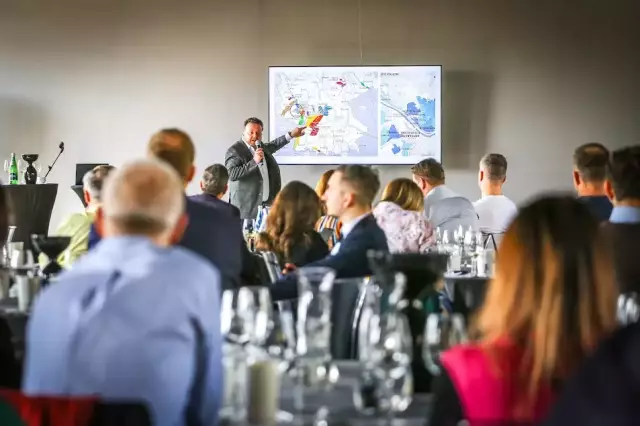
{"x":443,"y":207}
{"x":254,"y":175}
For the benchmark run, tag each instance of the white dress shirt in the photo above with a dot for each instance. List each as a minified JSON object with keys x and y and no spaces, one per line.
{"x":495,"y":213}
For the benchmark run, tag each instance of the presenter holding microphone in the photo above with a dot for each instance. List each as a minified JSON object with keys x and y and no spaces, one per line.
{"x":254,"y":175}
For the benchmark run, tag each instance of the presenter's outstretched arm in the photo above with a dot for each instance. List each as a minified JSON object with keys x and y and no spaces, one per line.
{"x":273,"y":146}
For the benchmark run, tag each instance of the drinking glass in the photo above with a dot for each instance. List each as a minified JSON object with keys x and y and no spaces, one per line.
{"x":313,"y":331}
{"x":628,"y":308}
{"x":441,"y":332}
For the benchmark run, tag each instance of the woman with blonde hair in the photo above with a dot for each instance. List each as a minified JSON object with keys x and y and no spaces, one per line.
{"x":289,"y":232}
{"x":399,"y":214}
{"x":328,"y":226}
{"x":551,"y":301}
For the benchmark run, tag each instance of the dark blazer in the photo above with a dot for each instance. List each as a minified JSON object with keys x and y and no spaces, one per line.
{"x":350,"y":261}
{"x":625,"y":242}
{"x":245,"y":180}
{"x":604,"y":388}
{"x":216,"y":203}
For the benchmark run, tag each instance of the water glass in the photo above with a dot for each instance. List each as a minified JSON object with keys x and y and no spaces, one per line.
{"x":313,"y":331}
{"x":628,"y":308}
{"x":441,"y":332}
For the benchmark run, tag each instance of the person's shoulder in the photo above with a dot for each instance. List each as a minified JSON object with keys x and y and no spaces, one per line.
{"x":186,"y":259}
{"x":233,"y":148}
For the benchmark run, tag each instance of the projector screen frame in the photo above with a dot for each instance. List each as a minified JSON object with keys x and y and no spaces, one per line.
{"x":330,"y":160}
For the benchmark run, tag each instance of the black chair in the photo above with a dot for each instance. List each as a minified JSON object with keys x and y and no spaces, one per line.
{"x":347,"y":297}
{"x":286,"y":308}
{"x":489,"y":239}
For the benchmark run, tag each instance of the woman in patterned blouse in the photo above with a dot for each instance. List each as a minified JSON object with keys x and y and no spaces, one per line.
{"x":399,"y":214}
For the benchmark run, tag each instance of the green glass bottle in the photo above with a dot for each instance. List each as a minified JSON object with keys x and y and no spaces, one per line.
{"x":13,"y":170}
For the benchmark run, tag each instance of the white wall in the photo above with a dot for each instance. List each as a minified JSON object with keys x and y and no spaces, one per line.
{"x":529,"y":79}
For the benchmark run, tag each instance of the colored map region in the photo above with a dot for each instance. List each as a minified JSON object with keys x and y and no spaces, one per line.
{"x":339,"y":109}
{"x":409,"y":113}
{"x":365,"y":115}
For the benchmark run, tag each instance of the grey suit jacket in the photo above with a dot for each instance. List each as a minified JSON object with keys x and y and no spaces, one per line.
{"x":245,"y":180}
{"x":451,"y":213}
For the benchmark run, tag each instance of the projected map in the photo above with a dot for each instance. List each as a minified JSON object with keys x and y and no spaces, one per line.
{"x":364,"y":115}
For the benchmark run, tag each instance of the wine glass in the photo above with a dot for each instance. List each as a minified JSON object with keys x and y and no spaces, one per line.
{"x":628,"y":308}
{"x":441,"y":332}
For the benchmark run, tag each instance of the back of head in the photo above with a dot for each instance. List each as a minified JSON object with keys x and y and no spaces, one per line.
{"x":215,"y":179}
{"x":363,"y":181}
{"x":623,"y":172}
{"x":144,"y":197}
{"x":590,"y":160}
{"x":93,"y":181}
{"x":292,"y":217}
{"x":494,"y":166}
{"x":405,"y":193}
{"x":176,"y":148}
{"x":553,"y":292}
{"x":430,"y":170}
{"x":321,"y":186}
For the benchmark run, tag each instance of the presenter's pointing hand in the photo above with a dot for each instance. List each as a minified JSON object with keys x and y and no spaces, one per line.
{"x":297,"y":131}
{"x":258,"y":156}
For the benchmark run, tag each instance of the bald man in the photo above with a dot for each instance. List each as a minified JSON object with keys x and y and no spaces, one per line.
{"x":132,"y":320}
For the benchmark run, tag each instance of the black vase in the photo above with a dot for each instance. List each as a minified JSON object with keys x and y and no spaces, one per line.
{"x":30,"y":174}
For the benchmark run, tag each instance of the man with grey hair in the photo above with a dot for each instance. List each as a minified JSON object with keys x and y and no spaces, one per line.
{"x":214,"y":185}
{"x":77,"y":225}
{"x":136,"y":318}
{"x":495,"y":210}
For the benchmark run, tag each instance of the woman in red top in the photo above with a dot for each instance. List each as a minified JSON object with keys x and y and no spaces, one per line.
{"x":551,"y":301}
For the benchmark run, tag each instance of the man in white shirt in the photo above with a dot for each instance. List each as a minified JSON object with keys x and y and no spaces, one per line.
{"x":443,"y":207}
{"x":495,"y":210}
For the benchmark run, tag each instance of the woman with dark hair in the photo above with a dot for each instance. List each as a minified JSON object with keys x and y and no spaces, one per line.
{"x":551,"y":301}
{"x":290,"y":230}
{"x":10,"y":370}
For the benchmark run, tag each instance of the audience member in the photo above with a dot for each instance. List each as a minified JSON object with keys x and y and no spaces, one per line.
{"x":349,"y":197}
{"x":442,"y":206}
{"x":399,"y":214}
{"x":10,"y":371}
{"x":214,"y":185}
{"x":552,"y":300}
{"x":78,"y":225}
{"x":328,"y":226}
{"x":135,"y":319}
{"x":495,"y":211}
{"x":290,"y":230}
{"x":623,"y":188}
{"x":589,"y":173}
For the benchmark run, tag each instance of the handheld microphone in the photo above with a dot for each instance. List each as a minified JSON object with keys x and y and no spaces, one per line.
{"x":259,"y":146}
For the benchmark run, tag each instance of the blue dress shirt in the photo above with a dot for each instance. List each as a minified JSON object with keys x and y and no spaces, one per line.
{"x":625,"y":214}
{"x":122,"y":324}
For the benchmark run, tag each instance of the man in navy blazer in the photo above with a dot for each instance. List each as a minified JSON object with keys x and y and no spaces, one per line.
{"x":214,"y":184}
{"x":349,"y":196}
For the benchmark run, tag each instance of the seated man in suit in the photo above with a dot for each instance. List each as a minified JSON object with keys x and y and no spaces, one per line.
{"x":349,"y":196}
{"x":214,"y":184}
{"x":623,"y":188}
{"x":135,"y":319}
{"x":211,"y":233}
{"x":443,"y":207}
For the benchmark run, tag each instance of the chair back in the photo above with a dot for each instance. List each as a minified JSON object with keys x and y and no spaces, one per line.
{"x":347,"y":300}
{"x":286,"y":308}
{"x":274,"y":269}
{"x":75,"y":411}
{"x":491,"y":239}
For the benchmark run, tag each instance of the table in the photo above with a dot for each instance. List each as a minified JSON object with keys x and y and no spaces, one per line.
{"x":470,"y":288}
{"x":31,"y":207}
{"x":342,"y":411}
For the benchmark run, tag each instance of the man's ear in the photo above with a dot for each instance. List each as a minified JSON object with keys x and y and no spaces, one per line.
{"x":576,"y":178}
{"x":481,"y":176}
{"x":608,"y":189}
{"x":201,"y":186}
{"x":99,"y":222}
{"x":178,"y":230}
{"x":191,"y":174}
{"x":87,"y":197}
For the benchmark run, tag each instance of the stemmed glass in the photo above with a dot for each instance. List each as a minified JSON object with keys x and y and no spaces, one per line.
{"x":628,"y":308}
{"x":246,"y":322}
{"x":441,"y":332}
{"x":313,"y":332}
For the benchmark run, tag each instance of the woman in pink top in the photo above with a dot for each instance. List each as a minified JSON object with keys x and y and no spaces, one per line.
{"x":399,"y":214}
{"x":552,"y":300}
